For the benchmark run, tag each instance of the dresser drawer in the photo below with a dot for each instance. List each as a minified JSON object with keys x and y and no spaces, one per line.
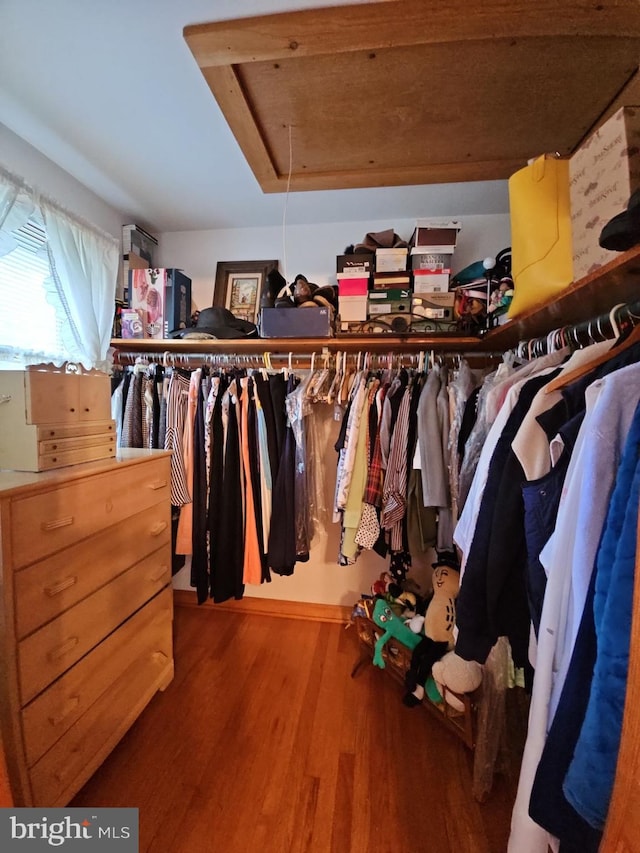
{"x":52,"y":520}
{"x":55,"y":647}
{"x":47,"y":588}
{"x":53,"y":712}
{"x":53,"y":397}
{"x":62,"y":771}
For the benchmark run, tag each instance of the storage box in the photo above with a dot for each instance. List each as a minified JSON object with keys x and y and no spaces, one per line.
{"x":426,"y":281}
{"x":434,"y":306}
{"x":132,"y":324}
{"x":136,"y":239}
{"x":353,"y":308}
{"x":391,"y":260}
{"x":603,"y":173}
{"x":438,"y":236}
{"x":386,"y":280}
{"x":352,"y":285}
{"x":359,"y":263}
{"x":295,"y":323}
{"x":435,"y":262}
{"x":163,"y":297}
{"x":376,"y":308}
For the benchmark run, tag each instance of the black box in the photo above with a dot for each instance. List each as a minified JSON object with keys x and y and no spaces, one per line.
{"x":363,"y":263}
{"x":295,"y":323}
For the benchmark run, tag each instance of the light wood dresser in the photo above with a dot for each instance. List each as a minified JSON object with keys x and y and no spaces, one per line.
{"x":86,"y":621}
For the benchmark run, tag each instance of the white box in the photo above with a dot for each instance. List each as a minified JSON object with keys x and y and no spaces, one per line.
{"x":603,"y":173}
{"x":391,"y":260}
{"x":352,"y":308}
{"x":425,"y":281}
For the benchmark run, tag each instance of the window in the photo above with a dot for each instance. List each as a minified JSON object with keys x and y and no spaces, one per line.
{"x":28,"y":322}
{"x":57,"y":282}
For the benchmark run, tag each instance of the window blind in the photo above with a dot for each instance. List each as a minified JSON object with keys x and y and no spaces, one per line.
{"x":27,"y":321}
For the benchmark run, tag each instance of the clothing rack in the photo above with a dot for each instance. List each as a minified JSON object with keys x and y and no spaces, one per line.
{"x":616,"y":323}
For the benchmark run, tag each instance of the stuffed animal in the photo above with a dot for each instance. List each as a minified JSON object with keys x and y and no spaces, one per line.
{"x":439,"y":621}
{"x":459,"y":675}
{"x":393,"y":626}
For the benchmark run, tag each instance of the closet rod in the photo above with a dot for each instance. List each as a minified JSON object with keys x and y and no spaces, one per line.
{"x":616,"y":322}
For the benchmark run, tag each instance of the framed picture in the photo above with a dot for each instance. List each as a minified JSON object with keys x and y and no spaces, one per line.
{"x":239,"y":285}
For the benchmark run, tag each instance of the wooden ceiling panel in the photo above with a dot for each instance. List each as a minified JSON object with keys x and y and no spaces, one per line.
{"x":425,"y":110}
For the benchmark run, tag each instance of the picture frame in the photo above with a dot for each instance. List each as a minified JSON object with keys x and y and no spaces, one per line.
{"x":239,"y":284}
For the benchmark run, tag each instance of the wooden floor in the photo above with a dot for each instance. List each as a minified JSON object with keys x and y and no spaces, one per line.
{"x":263,"y":742}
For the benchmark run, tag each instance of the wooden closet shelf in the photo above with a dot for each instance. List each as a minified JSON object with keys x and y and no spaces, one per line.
{"x":588,"y":297}
{"x":381,"y":343}
{"x":595,"y":294}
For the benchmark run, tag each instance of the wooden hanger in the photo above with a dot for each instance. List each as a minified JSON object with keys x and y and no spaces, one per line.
{"x":571,"y":376}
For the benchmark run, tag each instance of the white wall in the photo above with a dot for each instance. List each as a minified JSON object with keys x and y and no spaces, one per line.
{"x":43,"y":174}
{"x":311,"y":250}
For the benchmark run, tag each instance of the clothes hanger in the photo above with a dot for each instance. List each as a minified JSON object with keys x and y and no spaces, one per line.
{"x":571,"y":375}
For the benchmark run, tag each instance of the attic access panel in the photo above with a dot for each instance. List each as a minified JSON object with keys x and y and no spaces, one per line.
{"x":399,"y":93}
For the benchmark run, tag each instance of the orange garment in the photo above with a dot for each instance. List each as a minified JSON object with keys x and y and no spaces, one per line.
{"x":252,"y":569}
{"x":184,"y":535}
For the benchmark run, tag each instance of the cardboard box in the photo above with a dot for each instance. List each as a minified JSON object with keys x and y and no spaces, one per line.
{"x":163,"y":298}
{"x":132,"y":324}
{"x":427,"y":281}
{"x":389,"y":306}
{"x":391,"y":260}
{"x":359,"y":263}
{"x":139,"y":241}
{"x":433,"y":261}
{"x":438,"y":236}
{"x":434,"y":306}
{"x":603,"y":173}
{"x":353,"y":308}
{"x":295,"y":323}
{"x":351,"y":285}
{"x":386,"y":280}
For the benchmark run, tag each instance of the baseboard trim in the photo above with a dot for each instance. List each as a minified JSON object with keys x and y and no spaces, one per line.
{"x":309,"y":611}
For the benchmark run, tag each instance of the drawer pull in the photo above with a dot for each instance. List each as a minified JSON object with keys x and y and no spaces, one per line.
{"x":157,"y":484}
{"x":159,"y":657}
{"x":159,"y":573}
{"x":59,"y":522}
{"x":63,"y":649}
{"x":68,"y":708}
{"x":158,"y":528}
{"x":57,"y":588}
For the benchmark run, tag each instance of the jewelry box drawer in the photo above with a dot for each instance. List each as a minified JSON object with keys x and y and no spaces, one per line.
{"x":49,"y":587}
{"x":51,"y":714}
{"x":51,"y":520}
{"x":56,"y":646}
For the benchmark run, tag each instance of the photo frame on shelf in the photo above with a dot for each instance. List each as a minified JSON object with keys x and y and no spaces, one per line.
{"x":238,"y":286}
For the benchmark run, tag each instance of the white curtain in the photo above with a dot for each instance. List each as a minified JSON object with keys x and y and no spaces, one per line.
{"x":83,"y":262}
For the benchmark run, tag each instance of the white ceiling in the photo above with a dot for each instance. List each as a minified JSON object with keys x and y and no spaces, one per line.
{"x":109,"y":91}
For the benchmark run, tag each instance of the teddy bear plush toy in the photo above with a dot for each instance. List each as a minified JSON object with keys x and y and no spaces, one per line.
{"x":457,"y":674}
{"x":439,"y":621}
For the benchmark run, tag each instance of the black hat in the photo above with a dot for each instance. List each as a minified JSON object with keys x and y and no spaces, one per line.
{"x":446,"y":558}
{"x":622,"y":232}
{"x":217,"y":322}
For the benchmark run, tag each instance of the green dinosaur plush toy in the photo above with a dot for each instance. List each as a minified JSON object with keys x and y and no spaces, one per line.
{"x":393,"y":626}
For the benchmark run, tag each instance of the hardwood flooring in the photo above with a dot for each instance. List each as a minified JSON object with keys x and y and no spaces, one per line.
{"x":263,"y":742}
